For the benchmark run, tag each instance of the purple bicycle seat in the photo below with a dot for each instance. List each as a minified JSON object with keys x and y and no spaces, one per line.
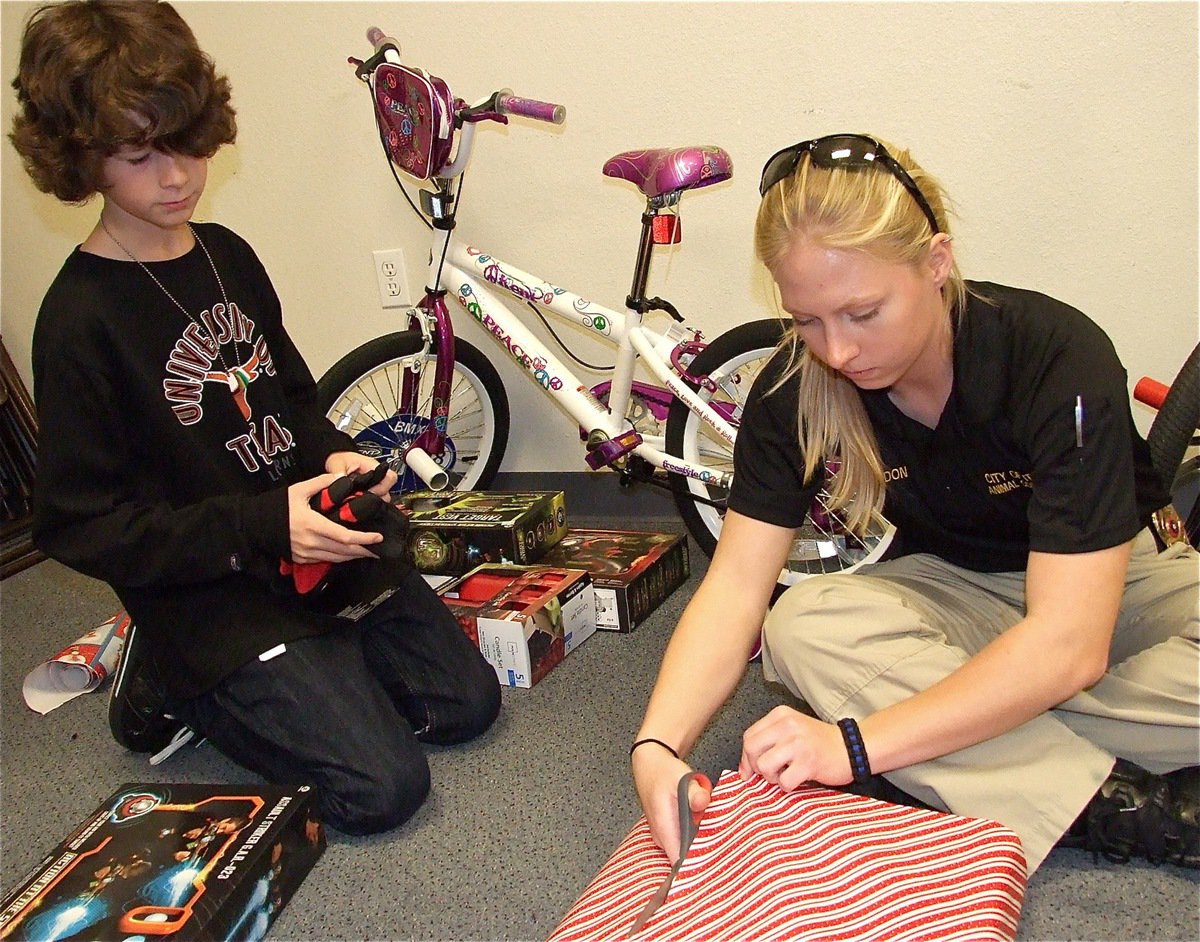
{"x":666,"y":169}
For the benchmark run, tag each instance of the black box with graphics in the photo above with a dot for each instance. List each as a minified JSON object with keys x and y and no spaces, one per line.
{"x":452,"y":532}
{"x":159,"y":861}
{"x":632,"y":572}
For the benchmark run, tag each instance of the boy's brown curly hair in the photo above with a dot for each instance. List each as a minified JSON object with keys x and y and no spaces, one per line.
{"x":99,"y":75}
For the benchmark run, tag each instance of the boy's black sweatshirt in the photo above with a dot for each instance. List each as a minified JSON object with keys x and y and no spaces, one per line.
{"x":164,"y":459}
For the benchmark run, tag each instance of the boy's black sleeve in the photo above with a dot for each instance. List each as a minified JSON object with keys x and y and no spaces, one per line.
{"x":99,"y":512}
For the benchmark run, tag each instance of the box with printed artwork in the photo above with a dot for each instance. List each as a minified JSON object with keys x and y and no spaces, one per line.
{"x":632,"y":572}
{"x":158,"y":861}
{"x":451,"y":532}
{"x":525,"y":619}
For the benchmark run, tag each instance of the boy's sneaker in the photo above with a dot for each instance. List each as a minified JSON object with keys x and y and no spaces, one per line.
{"x":1139,"y":814}
{"x":137,"y":703}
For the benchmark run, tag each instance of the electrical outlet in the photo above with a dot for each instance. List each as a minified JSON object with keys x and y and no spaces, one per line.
{"x":392,"y":277}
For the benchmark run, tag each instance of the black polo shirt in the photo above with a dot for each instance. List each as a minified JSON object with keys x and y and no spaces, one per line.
{"x":1006,"y":470}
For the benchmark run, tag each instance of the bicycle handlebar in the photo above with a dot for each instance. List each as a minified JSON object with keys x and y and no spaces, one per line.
{"x":508,"y":103}
{"x":377,"y":38}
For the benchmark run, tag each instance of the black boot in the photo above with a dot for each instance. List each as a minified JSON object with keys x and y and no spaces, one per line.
{"x":1139,"y":814}
{"x":137,"y":703}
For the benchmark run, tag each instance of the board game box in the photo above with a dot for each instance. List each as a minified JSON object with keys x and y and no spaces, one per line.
{"x":632,"y":572}
{"x":159,"y":861}
{"x":452,"y":532}
{"x":525,"y":619}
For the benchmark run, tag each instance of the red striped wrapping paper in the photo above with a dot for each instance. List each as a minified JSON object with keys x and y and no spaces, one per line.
{"x":813,"y":864}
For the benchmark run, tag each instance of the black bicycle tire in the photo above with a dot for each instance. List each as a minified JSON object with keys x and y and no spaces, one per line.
{"x":386,"y":349}
{"x":1175,"y":425}
{"x":744,"y":338}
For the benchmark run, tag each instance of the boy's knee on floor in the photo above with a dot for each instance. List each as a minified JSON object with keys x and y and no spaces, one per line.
{"x":472,"y":717}
{"x":373,"y":802}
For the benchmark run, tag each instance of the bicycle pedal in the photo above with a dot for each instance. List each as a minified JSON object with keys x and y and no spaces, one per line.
{"x":607,"y":451}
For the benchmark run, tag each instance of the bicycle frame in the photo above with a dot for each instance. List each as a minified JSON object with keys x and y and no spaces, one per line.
{"x":697,"y":403}
{"x":473,"y":277}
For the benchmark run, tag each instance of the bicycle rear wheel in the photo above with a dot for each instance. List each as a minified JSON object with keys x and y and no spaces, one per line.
{"x":361,"y":395}
{"x":733,"y":361}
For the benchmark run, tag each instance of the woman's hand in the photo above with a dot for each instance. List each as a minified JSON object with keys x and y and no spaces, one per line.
{"x":789,"y":748}
{"x":656,"y":774}
{"x":351,"y":462}
{"x":316,"y":538}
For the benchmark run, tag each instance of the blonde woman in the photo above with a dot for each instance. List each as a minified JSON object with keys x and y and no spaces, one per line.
{"x":1025,"y":654}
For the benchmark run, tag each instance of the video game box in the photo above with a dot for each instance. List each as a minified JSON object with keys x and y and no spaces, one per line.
{"x":159,"y":861}
{"x":632,"y":572}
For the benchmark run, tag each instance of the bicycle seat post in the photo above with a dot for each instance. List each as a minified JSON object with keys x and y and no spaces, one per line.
{"x":641,"y":271}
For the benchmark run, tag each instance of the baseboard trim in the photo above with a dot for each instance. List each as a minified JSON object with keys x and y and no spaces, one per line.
{"x":594,"y":493}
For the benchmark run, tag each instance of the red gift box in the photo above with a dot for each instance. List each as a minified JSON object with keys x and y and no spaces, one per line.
{"x":813,"y":864}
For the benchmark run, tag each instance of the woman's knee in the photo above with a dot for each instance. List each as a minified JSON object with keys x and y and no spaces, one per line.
{"x":811,"y":614}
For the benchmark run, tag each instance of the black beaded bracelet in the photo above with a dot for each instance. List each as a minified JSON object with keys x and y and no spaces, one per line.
{"x":860,"y":765}
{"x":657,"y":742}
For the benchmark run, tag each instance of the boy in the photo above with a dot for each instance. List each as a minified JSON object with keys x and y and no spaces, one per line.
{"x":181,"y":444}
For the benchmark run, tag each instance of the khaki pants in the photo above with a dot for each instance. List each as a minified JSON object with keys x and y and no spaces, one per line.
{"x":850,"y":645}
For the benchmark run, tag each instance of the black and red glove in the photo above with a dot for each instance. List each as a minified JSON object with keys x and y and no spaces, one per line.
{"x":348,"y":501}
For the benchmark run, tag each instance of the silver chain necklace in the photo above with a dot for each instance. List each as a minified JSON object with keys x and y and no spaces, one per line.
{"x":231,"y":378}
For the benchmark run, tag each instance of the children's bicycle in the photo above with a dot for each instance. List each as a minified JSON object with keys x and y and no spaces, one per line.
{"x":433,"y":406}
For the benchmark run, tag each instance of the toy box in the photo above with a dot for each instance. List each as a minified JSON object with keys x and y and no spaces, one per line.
{"x":525,"y":619}
{"x":632,"y":572}
{"x":172,"y":861}
{"x":452,"y":532}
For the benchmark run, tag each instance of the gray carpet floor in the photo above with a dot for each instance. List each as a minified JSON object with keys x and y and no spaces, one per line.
{"x":517,"y":821}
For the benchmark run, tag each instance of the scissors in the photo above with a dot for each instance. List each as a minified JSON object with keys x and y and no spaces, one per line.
{"x":689,"y":824}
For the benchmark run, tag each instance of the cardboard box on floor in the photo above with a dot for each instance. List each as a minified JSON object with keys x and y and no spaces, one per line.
{"x":160,"y":861}
{"x":525,"y":619}
{"x":452,"y":532}
{"x":632,"y":572}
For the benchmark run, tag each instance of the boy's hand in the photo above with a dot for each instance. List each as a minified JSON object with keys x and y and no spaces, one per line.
{"x":350,"y":463}
{"x":316,"y":538}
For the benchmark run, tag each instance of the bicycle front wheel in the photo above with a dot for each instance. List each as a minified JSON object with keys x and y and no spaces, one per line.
{"x":361,"y":394}
{"x":732,"y":361}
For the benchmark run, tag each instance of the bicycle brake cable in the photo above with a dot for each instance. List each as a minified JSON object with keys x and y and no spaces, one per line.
{"x":567,"y":350}
{"x":446,"y":245}
{"x":392,"y":167}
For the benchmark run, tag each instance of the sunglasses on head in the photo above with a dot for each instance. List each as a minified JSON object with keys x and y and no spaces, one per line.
{"x":847,"y":151}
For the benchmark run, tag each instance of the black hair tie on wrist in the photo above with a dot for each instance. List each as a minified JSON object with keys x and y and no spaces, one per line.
{"x":860,"y":765}
{"x":657,"y":742}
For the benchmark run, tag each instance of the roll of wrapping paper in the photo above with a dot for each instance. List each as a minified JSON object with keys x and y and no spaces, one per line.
{"x":79,"y":668}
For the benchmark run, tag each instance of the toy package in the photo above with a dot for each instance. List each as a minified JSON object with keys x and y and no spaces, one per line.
{"x":452,"y":532}
{"x":632,"y":572}
{"x":525,"y":619}
{"x":172,"y":861}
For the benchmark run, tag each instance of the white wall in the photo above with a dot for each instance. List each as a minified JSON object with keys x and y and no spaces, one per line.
{"x":1067,"y":134}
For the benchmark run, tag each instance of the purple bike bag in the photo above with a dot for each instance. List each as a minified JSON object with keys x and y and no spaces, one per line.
{"x":415,"y":112}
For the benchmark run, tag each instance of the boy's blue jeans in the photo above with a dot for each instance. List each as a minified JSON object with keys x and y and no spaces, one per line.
{"x":347,"y":711}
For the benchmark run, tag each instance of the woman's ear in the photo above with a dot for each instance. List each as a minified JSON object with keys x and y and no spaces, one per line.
{"x":941,"y":258}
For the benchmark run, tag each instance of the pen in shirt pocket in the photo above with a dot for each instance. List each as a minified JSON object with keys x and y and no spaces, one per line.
{"x":1079,"y":421}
